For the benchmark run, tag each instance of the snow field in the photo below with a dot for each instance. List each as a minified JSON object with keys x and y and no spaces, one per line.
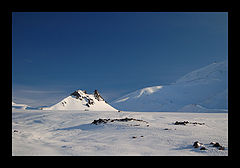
{"x":70,"y":133}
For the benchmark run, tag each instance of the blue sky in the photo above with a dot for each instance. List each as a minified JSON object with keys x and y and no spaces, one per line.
{"x":55,"y":53}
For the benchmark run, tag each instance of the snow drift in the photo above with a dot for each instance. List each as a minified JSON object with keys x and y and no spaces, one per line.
{"x":80,"y":100}
{"x":19,"y":106}
{"x":203,"y":90}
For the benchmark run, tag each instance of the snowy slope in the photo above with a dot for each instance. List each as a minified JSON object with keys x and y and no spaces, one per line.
{"x":70,"y":133}
{"x":19,"y":106}
{"x":206,"y":87}
{"x":80,"y":100}
{"x":199,"y":108}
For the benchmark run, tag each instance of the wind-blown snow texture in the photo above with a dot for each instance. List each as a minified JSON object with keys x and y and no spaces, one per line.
{"x":205,"y":89}
{"x":80,"y":100}
{"x":70,"y":133}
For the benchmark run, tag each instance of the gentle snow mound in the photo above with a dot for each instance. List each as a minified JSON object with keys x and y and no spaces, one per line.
{"x":19,"y":106}
{"x":207,"y":87}
{"x":199,"y":108}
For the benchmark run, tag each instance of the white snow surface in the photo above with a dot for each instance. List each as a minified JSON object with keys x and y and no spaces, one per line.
{"x":206,"y":87}
{"x":19,"y":106}
{"x":75,"y":103}
{"x":70,"y":133}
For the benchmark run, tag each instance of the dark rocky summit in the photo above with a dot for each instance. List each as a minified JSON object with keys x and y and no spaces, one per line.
{"x":76,"y":94}
{"x":98,"y":96}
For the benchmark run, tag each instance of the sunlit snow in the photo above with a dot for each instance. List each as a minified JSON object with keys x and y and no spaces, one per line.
{"x":70,"y":133}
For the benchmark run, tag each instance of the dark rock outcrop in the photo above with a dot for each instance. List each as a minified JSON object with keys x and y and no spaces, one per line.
{"x":90,"y":101}
{"x":221,"y":148}
{"x":98,"y":96}
{"x":76,"y":94}
{"x":216,"y":144}
{"x":196,"y":144}
{"x":203,"y":148}
{"x":187,"y":122}
{"x":181,"y":123}
{"x":100,"y":121}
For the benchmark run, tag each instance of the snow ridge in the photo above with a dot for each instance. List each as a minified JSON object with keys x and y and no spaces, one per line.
{"x":204,"y":89}
{"x":19,"y":106}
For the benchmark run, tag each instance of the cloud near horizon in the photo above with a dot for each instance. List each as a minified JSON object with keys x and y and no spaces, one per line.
{"x":40,"y":91}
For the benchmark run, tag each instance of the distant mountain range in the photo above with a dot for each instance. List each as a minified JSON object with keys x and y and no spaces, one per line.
{"x":202,"y":90}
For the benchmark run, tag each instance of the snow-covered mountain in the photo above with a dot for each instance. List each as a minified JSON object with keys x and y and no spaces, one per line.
{"x":19,"y":106}
{"x":80,"y":100}
{"x":204,"y":89}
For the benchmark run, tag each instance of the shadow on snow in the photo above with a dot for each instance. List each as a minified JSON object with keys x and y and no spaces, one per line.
{"x":82,"y":127}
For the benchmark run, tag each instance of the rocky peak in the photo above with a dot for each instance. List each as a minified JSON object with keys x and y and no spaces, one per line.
{"x":98,"y":96}
{"x":82,"y":95}
{"x":81,"y":100}
{"x":79,"y":94}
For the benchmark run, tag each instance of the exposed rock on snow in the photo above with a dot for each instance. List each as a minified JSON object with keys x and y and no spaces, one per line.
{"x":98,"y":96}
{"x":203,"y":148}
{"x":104,"y":121}
{"x":181,"y":123}
{"x":196,"y":144}
{"x":80,"y":100}
{"x":187,"y":122}
{"x":216,"y":144}
{"x":221,"y":148}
